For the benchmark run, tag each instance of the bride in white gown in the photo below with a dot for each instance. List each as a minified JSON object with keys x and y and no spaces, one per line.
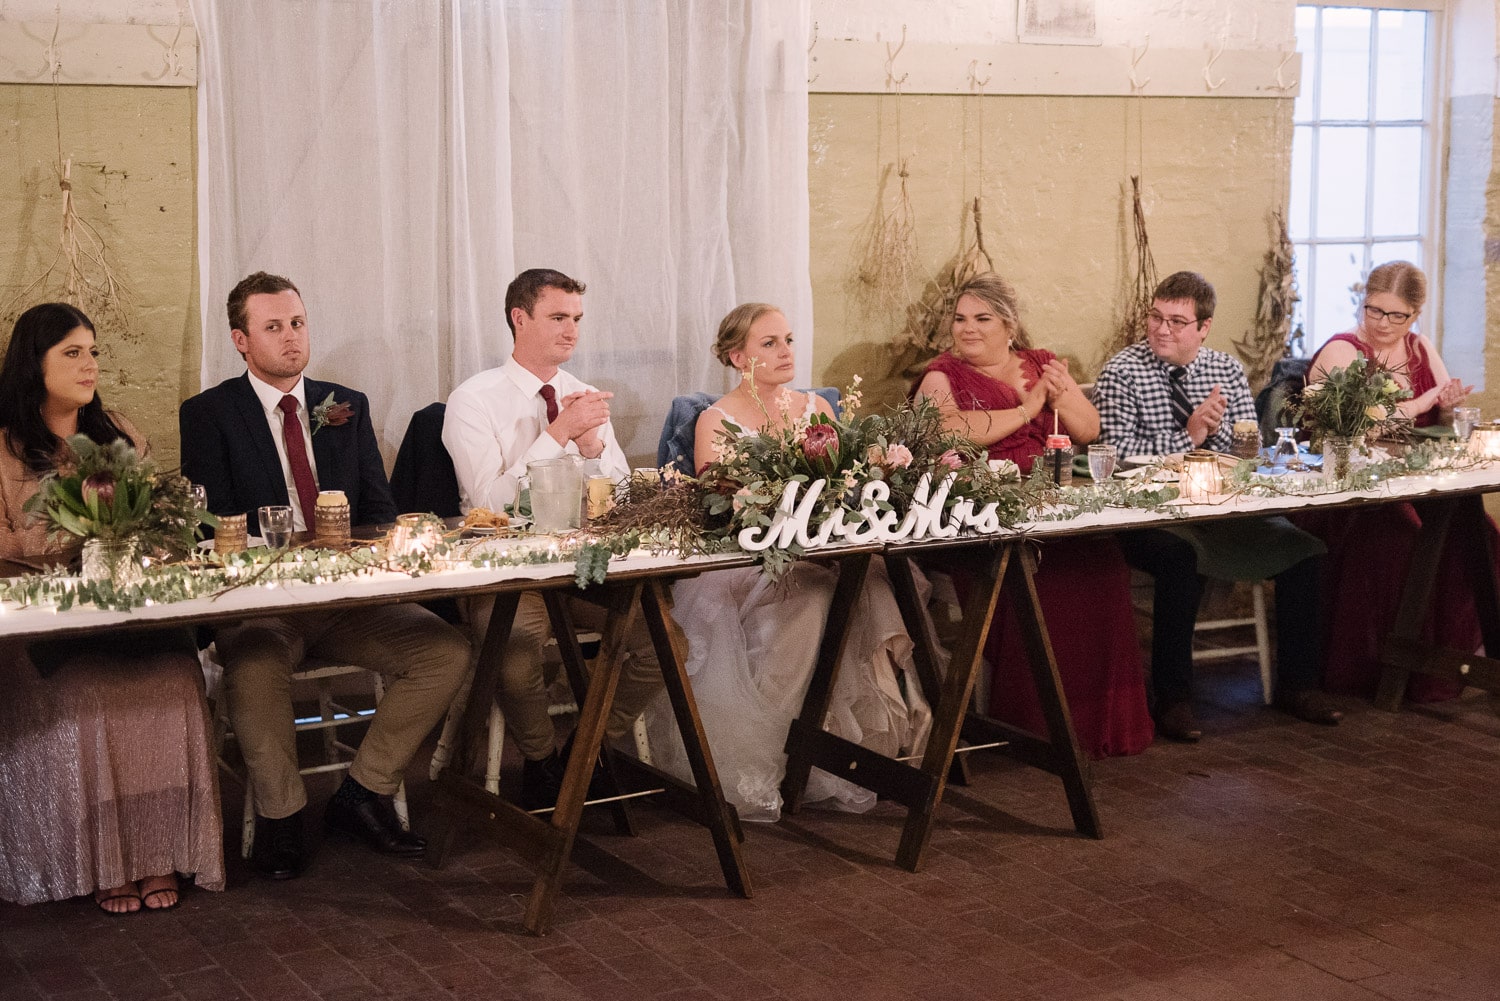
{"x":753,"y":642}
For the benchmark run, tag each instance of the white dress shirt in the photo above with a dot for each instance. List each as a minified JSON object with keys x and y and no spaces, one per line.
{"x":497,"y":422}
{"x":270,"y":399}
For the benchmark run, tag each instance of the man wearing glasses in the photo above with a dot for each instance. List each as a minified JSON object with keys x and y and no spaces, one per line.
{"x":1170,"y":394}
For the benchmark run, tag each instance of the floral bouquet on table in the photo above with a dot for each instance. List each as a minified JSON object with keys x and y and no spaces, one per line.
{"x":1352,"y":402}
{"x":118,"y":504}
{"x":1349,"y":406}
{"x":855,"y":469}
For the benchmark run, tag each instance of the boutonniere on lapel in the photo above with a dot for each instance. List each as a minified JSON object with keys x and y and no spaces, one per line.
{"x":330,"y":413}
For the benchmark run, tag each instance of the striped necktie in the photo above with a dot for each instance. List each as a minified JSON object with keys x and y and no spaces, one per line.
{"x":1182,"y":407}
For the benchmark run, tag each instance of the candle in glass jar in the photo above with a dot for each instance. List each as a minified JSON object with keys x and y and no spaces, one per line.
{"x":1484,"y":440}
{"x":1200,"y":478}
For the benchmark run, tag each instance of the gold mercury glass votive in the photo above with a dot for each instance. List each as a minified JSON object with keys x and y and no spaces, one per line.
{"x":1200,"y":478}
{"x":331,"y":518}
{"x":1484,"y":440}
{"x":599,"y":492}
{"x":1245,"y":439}
{"x":229,"y":537}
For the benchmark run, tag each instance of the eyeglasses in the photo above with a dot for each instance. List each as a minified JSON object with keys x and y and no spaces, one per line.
{"x":1174,"y":323}
{"x":1376,"y":314}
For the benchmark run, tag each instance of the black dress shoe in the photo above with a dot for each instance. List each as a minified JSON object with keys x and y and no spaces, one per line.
{"x":278,"y":847}
{"x":541,"y":781}
{"x":374,"y":822}
{"x":1309,"y":706}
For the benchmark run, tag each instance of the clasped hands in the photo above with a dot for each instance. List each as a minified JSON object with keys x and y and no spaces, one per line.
{"x":579,"y":417}
{"x":1052,"y":385}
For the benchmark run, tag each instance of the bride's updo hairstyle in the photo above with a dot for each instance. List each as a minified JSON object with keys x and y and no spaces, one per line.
{"x":1000,"y":295}
{"x":734,"y":329}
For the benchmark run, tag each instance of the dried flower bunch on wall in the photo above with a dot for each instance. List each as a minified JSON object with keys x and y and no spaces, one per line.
{"x":1267,"y":342}
{"x":929,"y":327}
{"x":1132,"y":325}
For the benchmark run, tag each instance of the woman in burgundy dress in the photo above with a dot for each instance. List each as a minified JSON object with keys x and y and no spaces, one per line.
{"x":1003,"y":394}
{"x":1377,"y":543}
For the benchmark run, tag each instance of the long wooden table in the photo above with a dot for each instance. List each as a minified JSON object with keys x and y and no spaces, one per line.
{"x":1005,"y":569}
{"x":636,"y":588}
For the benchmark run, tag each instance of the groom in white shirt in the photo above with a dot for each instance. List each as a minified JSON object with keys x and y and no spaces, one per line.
{"x":498,"y":421}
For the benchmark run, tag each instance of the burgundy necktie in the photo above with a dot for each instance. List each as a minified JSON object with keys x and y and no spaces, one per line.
{"x":550,"y":395}
{"x":296,"y":456}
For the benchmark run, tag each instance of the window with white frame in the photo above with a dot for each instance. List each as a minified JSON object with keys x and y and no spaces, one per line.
{"x":1363,"y":158}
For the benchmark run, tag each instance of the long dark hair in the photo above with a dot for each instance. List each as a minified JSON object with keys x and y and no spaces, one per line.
{"x":23,"y":389}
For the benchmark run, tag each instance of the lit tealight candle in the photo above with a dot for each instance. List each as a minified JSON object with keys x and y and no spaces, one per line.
{"x":1200,"y":478}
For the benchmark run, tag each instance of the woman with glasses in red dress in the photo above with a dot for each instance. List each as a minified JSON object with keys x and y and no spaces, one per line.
{"x":1377,"y":543}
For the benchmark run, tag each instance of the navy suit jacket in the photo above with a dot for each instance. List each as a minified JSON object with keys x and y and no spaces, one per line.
{"x":227,"y":447}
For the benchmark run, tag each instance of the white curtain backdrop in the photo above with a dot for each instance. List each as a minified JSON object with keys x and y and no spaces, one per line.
{"x":401,"y":160}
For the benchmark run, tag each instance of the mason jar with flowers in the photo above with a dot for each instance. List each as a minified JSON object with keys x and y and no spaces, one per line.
{"x":1347,"y":407}
{"x":120,"y":506}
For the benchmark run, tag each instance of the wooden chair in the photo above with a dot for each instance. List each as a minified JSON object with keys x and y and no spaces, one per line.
{"x":337,"y":754}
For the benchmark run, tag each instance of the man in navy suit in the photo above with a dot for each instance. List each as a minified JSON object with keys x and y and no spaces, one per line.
{"x":266,"y":438}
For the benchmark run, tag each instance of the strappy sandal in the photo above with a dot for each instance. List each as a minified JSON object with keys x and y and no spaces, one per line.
{"x":165,"y":907}
{"x":99,"y":902}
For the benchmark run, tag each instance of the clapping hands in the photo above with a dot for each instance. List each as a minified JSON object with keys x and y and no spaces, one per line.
{"x":1452,"y":393}
{"x":1057,"y":380}
{"x":1204,"y":422}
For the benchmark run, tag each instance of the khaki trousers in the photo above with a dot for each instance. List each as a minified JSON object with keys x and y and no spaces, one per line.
{"x":422,"y":658}
{"x":523,"y":692}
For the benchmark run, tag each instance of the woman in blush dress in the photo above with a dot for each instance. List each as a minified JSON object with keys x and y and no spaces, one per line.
{"x":752,"y":641}
{"x":105,"y":755}
{"x":1004,"y":394}
{"x":1377,"y":543}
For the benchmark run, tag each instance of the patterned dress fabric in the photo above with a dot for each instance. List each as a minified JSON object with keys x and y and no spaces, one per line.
{"x":106,"y":764}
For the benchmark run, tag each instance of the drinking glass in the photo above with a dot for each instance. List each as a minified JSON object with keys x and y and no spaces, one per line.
{"x":1284,"y":456}
{"x":556,"y":494}
{"x":1101,"y":463}
{"x":199,"y":493}
{"x":275,"y":525}
{"x":1464,"y":419}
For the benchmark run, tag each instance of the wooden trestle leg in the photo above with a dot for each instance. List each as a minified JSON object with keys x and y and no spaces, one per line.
{"x":1461,"y":522}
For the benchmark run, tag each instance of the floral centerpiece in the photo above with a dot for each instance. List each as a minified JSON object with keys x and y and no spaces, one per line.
{"x":1347,"y":406}
{"x":817,"y":472}
{"x":119,"y":505}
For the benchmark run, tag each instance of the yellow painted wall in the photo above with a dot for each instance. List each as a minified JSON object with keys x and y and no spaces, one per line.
{"x":1057,"y":210}
{"x":134,"y":179}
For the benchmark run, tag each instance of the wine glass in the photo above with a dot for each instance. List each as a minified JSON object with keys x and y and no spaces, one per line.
{"x":199,"y":494}
{"x":1284,"y":456}
{"x":1101,"y":463}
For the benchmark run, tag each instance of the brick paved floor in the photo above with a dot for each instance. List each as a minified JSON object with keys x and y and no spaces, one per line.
{"x":1273,"y":861}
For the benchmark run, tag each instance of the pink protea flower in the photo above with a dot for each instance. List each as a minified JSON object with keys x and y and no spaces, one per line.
{"x":100,"y":487}
{"x":820,"y":441}
{"x":951,"y":459}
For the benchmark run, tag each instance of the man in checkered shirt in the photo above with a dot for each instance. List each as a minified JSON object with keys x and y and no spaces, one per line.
{"x":1170,"y":394}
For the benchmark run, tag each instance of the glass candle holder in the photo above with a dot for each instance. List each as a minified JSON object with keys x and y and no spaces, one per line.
{"x":230,"y":536}
{"x":1200,"y":480}
{"x":331,"y":518}
{"x":1484,"y":440}
{"x":414,"y":533}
